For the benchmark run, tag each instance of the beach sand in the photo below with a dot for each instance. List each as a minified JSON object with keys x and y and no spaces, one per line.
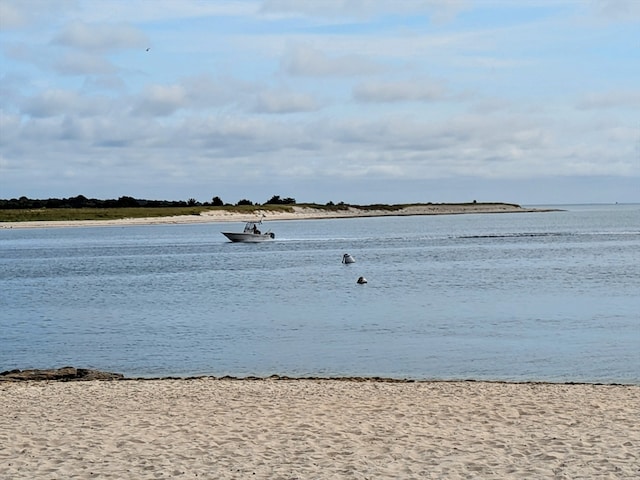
{"x":296,"y":213}
{"x":317,"y":429}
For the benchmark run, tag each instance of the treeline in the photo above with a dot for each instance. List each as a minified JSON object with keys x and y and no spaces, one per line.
{"x":126,"y":202}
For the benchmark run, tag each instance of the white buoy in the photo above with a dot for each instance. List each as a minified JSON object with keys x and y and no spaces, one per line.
{"x":346,"y":258}
{"x":361,"y":281}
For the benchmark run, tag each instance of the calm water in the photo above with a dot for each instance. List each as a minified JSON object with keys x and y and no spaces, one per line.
{"x":535,"y":296}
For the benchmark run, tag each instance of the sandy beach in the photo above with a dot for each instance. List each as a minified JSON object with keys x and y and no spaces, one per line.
{"x":317,"y":429}
{"x":296,"y":213}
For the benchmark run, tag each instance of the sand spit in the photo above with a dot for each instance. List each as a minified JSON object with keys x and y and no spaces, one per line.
{"x":297,"y":213}
{"x":317,"y":429}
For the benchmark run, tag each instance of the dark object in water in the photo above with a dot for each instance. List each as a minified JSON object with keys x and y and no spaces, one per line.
{"x":64,"y":374}
{"x":346,"y":258}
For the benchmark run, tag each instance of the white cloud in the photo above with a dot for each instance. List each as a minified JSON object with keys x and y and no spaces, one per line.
{"x":11,"y":15}
{"x":611,"y":99}
{"x":620,"y":10}
{"x":285,"y":102}
{"x":161,"y":100}
{"x":105,"y":82}
{"x":78,"y":63}
{"x":312,"y":93}
{"x":10,"y":87}
{"x":51,"y":103}
{"x":490,"y":105}
{"x":399,"y":91}
{"x":223,"y":146}
{"x":148,"y":11}
{"x":309,"y":61}
{"x":15,"y":14}
{"x":207,"y":91}
{"x":204,"y":93}
{"x":100,"y":37}
{"x":364,"y":9}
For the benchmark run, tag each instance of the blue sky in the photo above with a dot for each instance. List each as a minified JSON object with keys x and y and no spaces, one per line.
{"x":361,"y":101}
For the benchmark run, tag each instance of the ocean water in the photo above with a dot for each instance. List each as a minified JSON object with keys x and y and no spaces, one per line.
{"x":551,"y":296}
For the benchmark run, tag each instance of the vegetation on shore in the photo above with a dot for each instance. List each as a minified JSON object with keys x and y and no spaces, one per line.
{"x":25,"y":209}
{"x":82,"y":208}
{"x":80,"y":201}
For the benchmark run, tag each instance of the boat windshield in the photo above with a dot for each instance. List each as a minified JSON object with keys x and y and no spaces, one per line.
{"x":251,"y":227}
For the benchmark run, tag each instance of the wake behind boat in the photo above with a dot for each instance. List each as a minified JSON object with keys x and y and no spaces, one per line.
{"x":250,"y":234}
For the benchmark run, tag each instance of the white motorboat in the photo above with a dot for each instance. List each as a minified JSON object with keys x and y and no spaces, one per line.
{"x":250,"y":234}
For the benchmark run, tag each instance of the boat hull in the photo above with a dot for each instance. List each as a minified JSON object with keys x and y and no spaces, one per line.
{"x":248,"y":237}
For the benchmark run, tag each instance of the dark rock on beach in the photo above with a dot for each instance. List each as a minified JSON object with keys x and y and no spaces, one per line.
{"x":64,"y":374}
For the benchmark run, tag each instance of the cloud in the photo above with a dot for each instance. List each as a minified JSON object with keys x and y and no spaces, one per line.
{"x":23,"y":13}
{"x":164,"y":10}
{"x":504,"y":146}
{"x":618,"y":10}
{"x":51,"y":103}
{"x":199,"y":93}
{"x":160,"y":100}
{"x":407,"y":91}
{"x":225,"y":146}
{"x":490,"y":105}
{"x":104,"y":82}
{"x":79,"y":63}
{"x":11,"y":84}
{"x":206,"y":91}
{"x":309,"y":61}
{"x":612,"y":99}
{"x":100,"y":37}
{"x":297,"y":91}
{"x":12,"y":16}
{"x":364,"y":9}
{"x":207,"y":94}
{"x":285,"y":102}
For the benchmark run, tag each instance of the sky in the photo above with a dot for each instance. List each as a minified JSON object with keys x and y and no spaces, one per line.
{"x":357,"y":101}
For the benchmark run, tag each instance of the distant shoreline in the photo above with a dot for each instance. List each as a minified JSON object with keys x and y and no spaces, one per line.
{"x":297,"y":212}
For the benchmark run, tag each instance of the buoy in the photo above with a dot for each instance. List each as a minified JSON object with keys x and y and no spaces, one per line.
{"x":361,"y":281}
{"x":346,"y":258}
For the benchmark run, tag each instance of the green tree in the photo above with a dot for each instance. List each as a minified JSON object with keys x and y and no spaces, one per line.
{"x":125,"y":202}
{"x":276,"y":200}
